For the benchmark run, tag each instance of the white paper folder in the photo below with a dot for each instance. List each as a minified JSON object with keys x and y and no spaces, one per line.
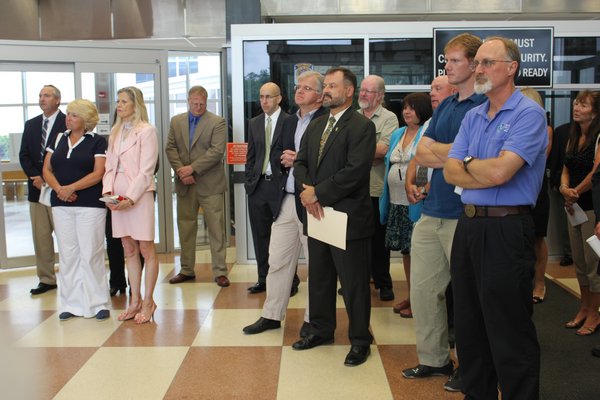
{"x":331,"y":229}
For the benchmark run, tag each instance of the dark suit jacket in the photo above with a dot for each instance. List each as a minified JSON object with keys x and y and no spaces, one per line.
{"x":256,"y":151}
{"x":341,"y":178}
{"x":287,"y":142}
{"x":31,"y":143}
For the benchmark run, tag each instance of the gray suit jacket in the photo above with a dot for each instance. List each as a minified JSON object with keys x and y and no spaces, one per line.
{"x":205,"y":155}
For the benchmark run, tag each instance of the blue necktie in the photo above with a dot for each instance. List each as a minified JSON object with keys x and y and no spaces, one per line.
{"x":193,"y":123}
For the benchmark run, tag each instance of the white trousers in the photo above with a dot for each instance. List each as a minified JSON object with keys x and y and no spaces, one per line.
{"x":284,"y":250}
{"x":82,"y":282}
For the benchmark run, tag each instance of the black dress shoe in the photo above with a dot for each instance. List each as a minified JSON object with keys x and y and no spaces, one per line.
{"x":263,"y":324}
{"x":386,"y":294}
{"x":294,"y":291}
{"x":311,"y":341}
{"x":566,"y":261}
{"x":42,"y":288}
{"x":357,"y":355}
{"x":305,"y":329}
{"x":257,"y":288}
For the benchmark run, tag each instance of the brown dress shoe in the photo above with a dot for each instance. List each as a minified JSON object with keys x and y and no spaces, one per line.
{"x":222,"y":281}
{"x":181,"y":278}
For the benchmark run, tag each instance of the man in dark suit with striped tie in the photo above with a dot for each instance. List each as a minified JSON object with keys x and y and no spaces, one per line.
{"x":37,"y":134}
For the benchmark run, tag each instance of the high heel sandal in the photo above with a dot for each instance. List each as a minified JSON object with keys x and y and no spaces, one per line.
{"x":130,"y":313}
{"x":143,"y":317}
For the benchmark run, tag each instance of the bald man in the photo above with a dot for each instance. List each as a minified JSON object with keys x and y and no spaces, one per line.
{"x":264,"y":176}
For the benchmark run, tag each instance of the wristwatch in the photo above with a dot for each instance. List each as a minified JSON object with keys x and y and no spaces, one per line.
{"x":466,"y":161}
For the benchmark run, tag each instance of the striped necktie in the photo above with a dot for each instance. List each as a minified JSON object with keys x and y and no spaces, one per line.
{"x":44,"y":136}
{"x":268,"y":130}
{"x":326,"y":135}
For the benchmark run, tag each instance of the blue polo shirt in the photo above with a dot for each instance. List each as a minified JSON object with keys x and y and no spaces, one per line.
{"x":70,"y":163}
{"x":442,"y":202}
{"x":520,"y":127}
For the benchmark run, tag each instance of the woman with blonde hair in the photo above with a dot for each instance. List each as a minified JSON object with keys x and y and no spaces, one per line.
{"x":73,"y":167}
{"x":129,"y":178}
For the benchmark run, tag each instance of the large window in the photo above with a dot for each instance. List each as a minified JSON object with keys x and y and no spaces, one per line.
{"x":280,"y":61}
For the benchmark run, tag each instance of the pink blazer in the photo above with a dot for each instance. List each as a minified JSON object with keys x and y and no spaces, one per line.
{"x":136,"y":156}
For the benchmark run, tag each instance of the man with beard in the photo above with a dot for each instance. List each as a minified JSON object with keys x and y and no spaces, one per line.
{"x":332,"y":170}
{"x":432,"y":236}
{"x":498,"y":159}
{"x":286,"y":231}
{"x":370,"y":100}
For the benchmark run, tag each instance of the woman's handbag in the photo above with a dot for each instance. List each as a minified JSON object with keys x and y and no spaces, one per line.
{"x":45,"y":193}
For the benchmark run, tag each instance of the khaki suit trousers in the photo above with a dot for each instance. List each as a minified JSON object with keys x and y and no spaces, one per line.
{"x":42,"y":227}
{"x":431,"y":244}
{"x":187,"y":224}
{"x":284,"y":250}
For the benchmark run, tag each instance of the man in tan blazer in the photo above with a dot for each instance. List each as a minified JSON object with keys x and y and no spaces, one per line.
{"x":195,"y":148}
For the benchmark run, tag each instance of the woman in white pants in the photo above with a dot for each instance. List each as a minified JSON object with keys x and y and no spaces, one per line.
{"x":73,"y":167}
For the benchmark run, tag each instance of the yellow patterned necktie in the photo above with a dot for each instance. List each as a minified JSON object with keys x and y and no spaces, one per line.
{"x":326,"y":135}
{"x":268,"y":130}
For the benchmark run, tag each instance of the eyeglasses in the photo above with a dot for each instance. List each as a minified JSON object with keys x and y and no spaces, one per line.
{"x":485,"y":63}
{"x":267,"y":96}
{"x":307,"y":89}
{"x":365,"y":91}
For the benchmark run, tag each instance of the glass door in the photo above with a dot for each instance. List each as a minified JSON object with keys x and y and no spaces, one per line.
{"x":22,"y":83}
{"x":99,"y":83}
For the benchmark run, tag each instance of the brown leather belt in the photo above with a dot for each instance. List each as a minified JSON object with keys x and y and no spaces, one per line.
{"x":472,"y":210}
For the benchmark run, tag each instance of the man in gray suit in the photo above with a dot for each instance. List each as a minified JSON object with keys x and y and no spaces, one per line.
{"x":195,"y":148}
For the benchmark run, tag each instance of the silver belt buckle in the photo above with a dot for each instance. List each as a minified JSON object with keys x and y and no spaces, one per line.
{"x":268,"y":178}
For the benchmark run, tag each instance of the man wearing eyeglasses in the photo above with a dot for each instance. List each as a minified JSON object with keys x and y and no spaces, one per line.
{"x":432,"y":236}
{"x":286,"y":232}
{"x":264,"y":176}
{"x":498,"y":159}
{"x":370,"y":100}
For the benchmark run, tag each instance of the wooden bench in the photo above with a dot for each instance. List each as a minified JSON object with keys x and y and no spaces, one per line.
{"x":15,"y":184}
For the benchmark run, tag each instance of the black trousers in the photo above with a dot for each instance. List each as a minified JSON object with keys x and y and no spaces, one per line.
{"x":116,"y":256}
{"x":261,"y":210}
{"x":492,"y":266}
{"x":380,"y":255}
{"x":325,"y":265}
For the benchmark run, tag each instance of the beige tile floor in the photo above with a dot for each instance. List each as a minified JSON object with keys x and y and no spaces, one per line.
{"x":195,"y":348}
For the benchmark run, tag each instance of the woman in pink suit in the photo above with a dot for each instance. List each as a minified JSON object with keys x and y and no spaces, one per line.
{"x":130,"y":161}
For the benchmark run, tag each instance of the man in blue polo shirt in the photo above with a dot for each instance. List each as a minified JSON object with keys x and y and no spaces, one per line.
{"x":433,"y":233}
{"x":498,"y":158}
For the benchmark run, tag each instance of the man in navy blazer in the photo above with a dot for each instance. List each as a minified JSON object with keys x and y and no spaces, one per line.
{"x":286,"y":232}
{"x":31,"y":156}
{"x":264,"y":176}
{"x":332,"y":170}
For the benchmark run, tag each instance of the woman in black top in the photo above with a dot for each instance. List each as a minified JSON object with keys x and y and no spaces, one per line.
{"x":73,"y":167}
{"x":581,"y":160}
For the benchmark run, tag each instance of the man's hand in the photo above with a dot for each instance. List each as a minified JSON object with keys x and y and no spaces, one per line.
{"x":287,"y":158}
{"x":311,"y":203}
{"x":597,"y":230}
{"x":188,"y":180}
{"x":37,"y":181}
{"x":414,"y":193}
{"x":185,"y":171}
{"x":315,"y":210}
